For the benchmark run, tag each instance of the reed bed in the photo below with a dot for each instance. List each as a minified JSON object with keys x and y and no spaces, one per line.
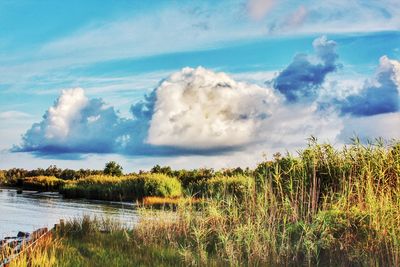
{"x":322,"y":207}
{"x":96,"y":242}
{"x":124,"y":188}
{"x":43,"y":183}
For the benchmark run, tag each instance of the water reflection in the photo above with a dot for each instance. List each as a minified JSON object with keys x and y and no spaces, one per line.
{"x":30,"y":210}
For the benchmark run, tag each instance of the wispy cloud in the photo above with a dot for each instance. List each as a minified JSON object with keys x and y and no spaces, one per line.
{"x":352,"y":16}
{"x":12,"y":115}
{"x":295,"y":19}
{"x":174,"y":28}
{"x":258,"y":9}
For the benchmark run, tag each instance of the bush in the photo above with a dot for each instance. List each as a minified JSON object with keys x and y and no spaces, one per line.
{"x":194,"y":181}
{"x":123,"y":188}
{"x":43,"y":183}
{"x":161,"y":185}
{"x":233,"y":185}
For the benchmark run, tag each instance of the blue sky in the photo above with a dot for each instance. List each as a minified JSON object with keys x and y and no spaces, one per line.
{"x":192,"y":84}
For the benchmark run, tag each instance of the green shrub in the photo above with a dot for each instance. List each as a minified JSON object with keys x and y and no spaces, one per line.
{"x":123,"y":188}
{"x":194,"y":181}
{"x":233,"y":185}
{"x":161,"y":185}
{"x":43,"y":183}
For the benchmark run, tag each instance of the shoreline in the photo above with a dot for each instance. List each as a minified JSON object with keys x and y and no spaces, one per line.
{"x":56,"y":194}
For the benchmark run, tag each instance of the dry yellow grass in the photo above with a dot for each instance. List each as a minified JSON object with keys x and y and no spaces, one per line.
{"x":149,"y":201}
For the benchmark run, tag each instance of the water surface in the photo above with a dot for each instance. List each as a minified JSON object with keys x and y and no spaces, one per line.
{"x":31,"y":210}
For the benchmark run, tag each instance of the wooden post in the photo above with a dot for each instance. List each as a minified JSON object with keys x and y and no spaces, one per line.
{"x":61,"y":225}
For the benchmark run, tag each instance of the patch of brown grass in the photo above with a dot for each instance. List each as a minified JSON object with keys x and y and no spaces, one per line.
{"x":150,"y":201}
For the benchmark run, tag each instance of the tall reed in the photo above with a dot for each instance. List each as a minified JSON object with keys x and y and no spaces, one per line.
{"x":326,"y":207}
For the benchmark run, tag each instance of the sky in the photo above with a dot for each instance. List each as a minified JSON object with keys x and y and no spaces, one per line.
{"x":193,"y":84}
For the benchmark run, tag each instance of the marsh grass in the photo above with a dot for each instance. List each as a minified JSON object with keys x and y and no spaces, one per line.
{"x":325,"y":207}
{"x":96,"y":242}
{"x":43,"y":183}
{"x":124,"y":188}
{"x":168,"y":203}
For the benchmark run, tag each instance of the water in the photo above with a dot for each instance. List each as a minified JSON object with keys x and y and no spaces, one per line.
{"x":31,"y":210}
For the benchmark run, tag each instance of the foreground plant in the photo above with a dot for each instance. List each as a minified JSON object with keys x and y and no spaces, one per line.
{"x":326,"y":207}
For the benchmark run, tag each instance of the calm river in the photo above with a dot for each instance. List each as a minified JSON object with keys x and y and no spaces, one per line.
{"x":30,"y":210}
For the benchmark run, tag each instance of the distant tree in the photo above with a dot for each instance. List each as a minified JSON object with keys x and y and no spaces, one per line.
{"x":113,"y":168}
{"x":15,"y":173}
{"x":164,"y":170}
{"x":232,"y":172}
{"x":68,"y":174}
{"x":156,"y":169}
{"x":36,"y":172}
{"x":52,"y":170}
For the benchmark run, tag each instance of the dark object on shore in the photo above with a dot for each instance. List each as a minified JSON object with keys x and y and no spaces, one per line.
{"x":19,"y":191}
{"x":11,"y":247}
{"x":23,"y":234}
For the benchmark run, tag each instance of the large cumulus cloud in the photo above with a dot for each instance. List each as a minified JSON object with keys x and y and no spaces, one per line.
{"x":74,"y":124}
{"x":198,"y":108}
{"x":302,"y":78}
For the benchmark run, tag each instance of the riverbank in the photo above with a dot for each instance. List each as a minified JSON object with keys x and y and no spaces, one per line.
{"x":96,"y":242}
{"x":31,"y":210}
{"x":104,"y":187}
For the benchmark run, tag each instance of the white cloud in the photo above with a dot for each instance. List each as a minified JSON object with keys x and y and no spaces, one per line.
{"x":255,"y":77}
{"x":199,"y":112}
{"x":386,"y":126}
{"x":391,"y":66}
{"x":338,"y":86}
{"x":291,"y":124}
{"x":352,"y":16}
{"x":64,"y":113}
{"x":198,"y":108}
{"x":74,"y":124}
{"x":14,"y":115}
{"x":167,"y":30}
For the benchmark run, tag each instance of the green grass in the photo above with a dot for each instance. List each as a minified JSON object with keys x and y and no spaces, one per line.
{"x":96,"y":242}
